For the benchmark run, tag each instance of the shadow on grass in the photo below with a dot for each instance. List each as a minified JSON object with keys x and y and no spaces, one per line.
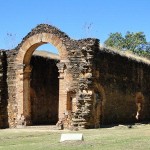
{"x":129,"y":125}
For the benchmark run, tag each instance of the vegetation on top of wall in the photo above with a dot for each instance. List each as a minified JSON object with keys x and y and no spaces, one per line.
{"x":134,"y":42}
{"x":127,"y":54}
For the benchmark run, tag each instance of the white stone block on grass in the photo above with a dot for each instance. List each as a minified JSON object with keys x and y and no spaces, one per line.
{"x":71,"y":137}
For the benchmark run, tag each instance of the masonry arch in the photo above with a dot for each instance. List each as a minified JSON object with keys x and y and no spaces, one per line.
{"x":25,"y":50}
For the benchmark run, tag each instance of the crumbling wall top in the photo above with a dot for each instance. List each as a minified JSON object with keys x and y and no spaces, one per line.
{"x":44,"y":28}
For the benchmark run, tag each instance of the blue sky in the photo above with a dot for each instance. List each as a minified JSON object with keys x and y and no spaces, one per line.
{"x":77,"y":18}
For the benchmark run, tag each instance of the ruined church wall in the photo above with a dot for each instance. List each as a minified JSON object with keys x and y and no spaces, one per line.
{"x":3,"y":90}
{"x":82,"y":60}
{"x":93,"y":78}
{"x":12,"y":107}
{"x":75,"y":74}
{"x":8,"y":104}
{"x":121,"y":78}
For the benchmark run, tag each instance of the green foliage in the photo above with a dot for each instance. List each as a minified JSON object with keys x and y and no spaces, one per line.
{"x":135,"y":42}
{"x":115,"y":40}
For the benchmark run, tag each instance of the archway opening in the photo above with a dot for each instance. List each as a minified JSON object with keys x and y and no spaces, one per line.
{"x":42,"y":34}
{"x":41,"y":86}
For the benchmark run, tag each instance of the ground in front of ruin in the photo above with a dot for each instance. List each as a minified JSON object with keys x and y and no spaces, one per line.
{"x":120,"y":137}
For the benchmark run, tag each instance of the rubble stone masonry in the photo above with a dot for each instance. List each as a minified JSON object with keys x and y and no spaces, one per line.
{"x":87,"y":87}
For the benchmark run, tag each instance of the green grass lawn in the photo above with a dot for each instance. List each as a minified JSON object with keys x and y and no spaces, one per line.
{"x":114,"y":138}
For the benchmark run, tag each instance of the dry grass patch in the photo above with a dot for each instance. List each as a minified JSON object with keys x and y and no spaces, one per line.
{"x":114,"y":138}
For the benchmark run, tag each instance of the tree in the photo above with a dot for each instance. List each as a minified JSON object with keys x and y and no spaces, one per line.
{"x":131,"y":41}
{"x":144,"y":50}
{"x":135,"y":42}
{"x":115,"y":40}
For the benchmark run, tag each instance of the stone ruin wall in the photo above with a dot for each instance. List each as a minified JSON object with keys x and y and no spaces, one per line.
{"x":102,"y":85}
{"x":11,"y":82}
{"x":83,"y":76}
{"x":122,"y":79}
{"x":76,"y":71}
{"x":3,"y":90}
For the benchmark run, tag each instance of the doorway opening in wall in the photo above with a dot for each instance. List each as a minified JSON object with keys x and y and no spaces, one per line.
{"x":44,"y":86}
